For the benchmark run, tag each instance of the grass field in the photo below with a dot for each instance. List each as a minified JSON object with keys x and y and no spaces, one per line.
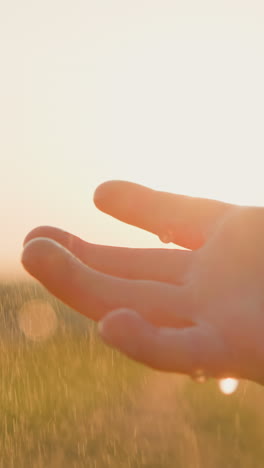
{"x":69,"y":401}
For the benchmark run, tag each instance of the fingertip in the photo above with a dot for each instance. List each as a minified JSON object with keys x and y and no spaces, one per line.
{"x":105,"y":190}
{"x":38,"y":251}
{"x":101,"y":191}
{"x":118,"y":326}
{"x":125,"y":330}
{"x":36,"y":232}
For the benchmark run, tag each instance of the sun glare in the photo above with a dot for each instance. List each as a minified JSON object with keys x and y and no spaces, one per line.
{"x":228,"y":386}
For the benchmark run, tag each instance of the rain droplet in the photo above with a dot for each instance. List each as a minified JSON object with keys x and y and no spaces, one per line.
{"x":228,"y":385}
{"x":199,"y":376}
{"x":166,"y":237}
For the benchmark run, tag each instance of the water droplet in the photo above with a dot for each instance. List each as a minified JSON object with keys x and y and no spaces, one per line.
{"x":166,"y":237}
{"x":228,"y":385}
{"x":199,"y":376}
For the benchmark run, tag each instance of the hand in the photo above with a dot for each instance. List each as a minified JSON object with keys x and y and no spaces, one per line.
{"x":176,"y":310}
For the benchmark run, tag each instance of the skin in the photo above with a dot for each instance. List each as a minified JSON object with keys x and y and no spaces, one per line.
{"x":184,"y":311}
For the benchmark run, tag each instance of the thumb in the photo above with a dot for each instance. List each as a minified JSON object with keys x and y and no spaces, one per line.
{"x":187,"y":350}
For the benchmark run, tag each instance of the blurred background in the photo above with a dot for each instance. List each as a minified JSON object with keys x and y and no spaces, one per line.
{"x":167,"y":94}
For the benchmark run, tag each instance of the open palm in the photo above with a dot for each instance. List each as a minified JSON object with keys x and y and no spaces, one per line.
{"x":188,"y":311}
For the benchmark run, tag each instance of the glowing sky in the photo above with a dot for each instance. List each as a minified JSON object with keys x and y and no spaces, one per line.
{"x":165,"y":93}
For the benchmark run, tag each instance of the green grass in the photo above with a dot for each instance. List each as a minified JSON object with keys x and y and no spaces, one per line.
{"x":72,"y":402}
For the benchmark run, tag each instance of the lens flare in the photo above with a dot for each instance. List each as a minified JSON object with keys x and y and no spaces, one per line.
{"x":199,"y":376}
{"x":37,"y":320}
{"x":228,"y":386}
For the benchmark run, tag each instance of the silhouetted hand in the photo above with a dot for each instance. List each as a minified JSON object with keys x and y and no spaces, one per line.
{"x":188,"y":311}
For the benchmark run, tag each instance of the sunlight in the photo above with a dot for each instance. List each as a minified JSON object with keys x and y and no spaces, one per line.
{"x":228,"y":386}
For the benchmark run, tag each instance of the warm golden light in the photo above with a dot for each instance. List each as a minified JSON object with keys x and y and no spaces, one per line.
{"x":151,"y":95}
{"x":37,"y":320}
{"x":228,"y":386}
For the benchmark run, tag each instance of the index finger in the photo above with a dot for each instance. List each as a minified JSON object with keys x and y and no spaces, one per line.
{"x":187,"y":221}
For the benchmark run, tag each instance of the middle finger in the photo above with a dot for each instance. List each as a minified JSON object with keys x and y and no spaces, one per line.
{"x":93,"y":293}
{"x":165,"y":265}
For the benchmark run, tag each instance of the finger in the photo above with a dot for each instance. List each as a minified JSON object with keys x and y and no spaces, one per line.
{"x":186,"y":220}
{"x":165,"y":265}
{"x":93,"y":293}
{"x":194,"y":350}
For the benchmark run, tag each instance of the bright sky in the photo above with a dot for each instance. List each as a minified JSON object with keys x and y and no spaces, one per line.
{"x":165,"y":93}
